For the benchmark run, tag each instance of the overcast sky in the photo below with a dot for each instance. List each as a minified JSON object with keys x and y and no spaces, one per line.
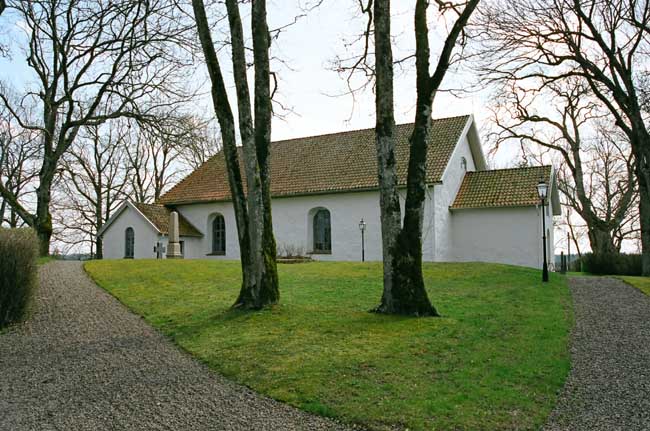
{"x":313,"y":92}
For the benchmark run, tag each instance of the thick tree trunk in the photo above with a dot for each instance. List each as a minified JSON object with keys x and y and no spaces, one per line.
{"x":413,"y":297}
{"x":601,"y":240}
{"x":99,"y":247}
{"x":385,"y":144}
{"x":404,"y":291}
{"x":3,"y":208}
{"x":262,"y":289}
{"x":43,"y":220}
{"x":643,"y":175}
{"x":267,"y":280}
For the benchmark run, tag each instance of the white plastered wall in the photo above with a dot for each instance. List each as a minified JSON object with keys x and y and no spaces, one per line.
{"x":443,"y":197}
{"x":146,"y":236}
{"x":292,"y":224}
{"x":502,"y":235}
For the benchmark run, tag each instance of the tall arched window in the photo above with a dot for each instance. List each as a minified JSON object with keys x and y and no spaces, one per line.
{"x":322,"y":232}
{"x":129,"y":243}
{"x":218,"y":235}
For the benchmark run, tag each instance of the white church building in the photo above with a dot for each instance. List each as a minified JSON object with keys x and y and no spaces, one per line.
{"x":323,"y":186}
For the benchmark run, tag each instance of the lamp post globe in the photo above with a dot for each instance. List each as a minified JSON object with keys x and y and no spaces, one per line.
{"x":542,"y":191}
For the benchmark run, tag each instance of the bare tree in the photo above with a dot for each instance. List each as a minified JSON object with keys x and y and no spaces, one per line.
{"x":155,"y":152}
{"x":93,"y":61}
{"x":95,"y":181}
{"x":597,"y":172}
{"x":252,"y":212}
{"x":19,"y":150}
{"x":202,"y":142}
{"x":603,"y":43}
{"x":404,"y":291}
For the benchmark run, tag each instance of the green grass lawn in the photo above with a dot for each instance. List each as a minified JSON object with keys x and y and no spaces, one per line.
{"x":641,"y":283}
{"x":42,"y":260}
{"x":495,"y":360}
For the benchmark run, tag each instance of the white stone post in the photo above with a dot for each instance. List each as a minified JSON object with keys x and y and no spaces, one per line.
{"x":173,"y":245}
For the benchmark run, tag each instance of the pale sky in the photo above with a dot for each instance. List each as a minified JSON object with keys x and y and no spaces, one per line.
{"x":309,"y":86}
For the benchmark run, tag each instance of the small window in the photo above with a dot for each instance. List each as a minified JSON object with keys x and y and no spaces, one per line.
{"x":322,"y":232}
{"x":463,"y":164}
{"x":182,"y":243}
{"x":129,"y":243}
{"x":218,"y":235}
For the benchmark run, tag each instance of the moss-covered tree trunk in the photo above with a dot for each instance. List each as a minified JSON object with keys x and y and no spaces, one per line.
{"x":404,"y":290}
{"x":254,"y":224}
{"x":268,"y":273}
{"x":642,"y":156}
{"x":226,"y":121}
{"x":262,"y":288}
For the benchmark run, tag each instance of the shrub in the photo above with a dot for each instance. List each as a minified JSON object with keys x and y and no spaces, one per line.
{"x":611,"y":264}
{"x":18,"y":273}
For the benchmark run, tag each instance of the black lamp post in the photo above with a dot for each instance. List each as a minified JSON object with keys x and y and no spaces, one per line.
{"x":362,"y":228}
{"x":542,"y":190}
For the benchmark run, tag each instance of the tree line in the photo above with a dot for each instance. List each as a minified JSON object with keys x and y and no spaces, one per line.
{"x":105,"y":117}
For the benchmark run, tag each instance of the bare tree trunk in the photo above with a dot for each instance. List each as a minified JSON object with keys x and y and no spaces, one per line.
{"x":262,"y":288}
{"x":404,"y":290}
{"x":385,"y":145}
{"x":267,"y":275}
{"x":99,"y":223}
{"x":643,"y":175}
{"x":401,"y":295}
{"x":227,"y":124}
{"x":3,"y":208}
{"x":601,"y":241}
{"x":13,"y":219}
{"x":43,"y":220}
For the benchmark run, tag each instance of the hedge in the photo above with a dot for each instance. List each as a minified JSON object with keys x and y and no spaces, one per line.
{"x":18,"y":273}
{"x":611,"y":263}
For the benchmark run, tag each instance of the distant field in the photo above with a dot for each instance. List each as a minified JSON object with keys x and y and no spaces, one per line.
{"x":495,"y":360}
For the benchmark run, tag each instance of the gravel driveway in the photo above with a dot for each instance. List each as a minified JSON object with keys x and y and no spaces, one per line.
{"x":609,"y":384}
{"x":83,"y":362}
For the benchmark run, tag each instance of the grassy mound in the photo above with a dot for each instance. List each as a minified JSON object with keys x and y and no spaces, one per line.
{"x":495,"y":360}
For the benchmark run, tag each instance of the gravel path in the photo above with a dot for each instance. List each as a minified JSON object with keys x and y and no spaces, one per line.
{"x":83,"y":362}
{"x":609,"y":384}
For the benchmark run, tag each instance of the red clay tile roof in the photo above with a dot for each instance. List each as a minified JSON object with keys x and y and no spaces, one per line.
{"x":323,"y":164}
{"x":501,"y":188}
{"x":159,"y":216}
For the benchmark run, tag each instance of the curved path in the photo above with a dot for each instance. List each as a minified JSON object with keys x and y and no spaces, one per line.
{"x":609,"y":384}
{"x":84,"y":362}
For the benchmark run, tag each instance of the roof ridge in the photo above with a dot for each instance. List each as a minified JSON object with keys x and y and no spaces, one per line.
{"x":365,"y":129}
{"x":510,"y":169}
{"x":151,"y":204}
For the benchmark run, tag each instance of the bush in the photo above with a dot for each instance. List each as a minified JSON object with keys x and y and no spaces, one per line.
{"x":612,"y":264}
{"x":18,"y":273}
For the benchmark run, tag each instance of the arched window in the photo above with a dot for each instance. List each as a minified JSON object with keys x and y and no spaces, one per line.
{"x":322,"y":232}
{"x":129,"y":243}
{"x":218,"y":235}
{"x":463,"y":164}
